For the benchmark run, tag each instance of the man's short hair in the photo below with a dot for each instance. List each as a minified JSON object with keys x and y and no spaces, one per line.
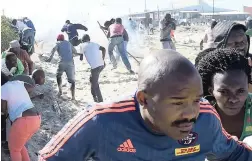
{"x":118,"y":20}
{"x":14,"y":21}
{"x":9,"y":55}
{"x":67,"y":21}
{"x":85,"y":38}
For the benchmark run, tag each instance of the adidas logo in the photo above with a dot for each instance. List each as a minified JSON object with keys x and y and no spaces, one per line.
{"x":126,"y":146}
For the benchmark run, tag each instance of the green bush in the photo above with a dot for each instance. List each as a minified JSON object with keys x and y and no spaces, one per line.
{"x":7,"y":33}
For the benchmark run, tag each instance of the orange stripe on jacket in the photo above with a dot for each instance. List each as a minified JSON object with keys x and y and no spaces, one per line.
{"x":214,"y":112}
{"x":73,"y":125}
{"x":83,"y":114}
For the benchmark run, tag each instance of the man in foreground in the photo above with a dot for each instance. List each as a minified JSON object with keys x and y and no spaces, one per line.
{"x":166,"y":26}
{"x":92,"y":52}
{"x":164,"y":120}
{"x":66,"y":63}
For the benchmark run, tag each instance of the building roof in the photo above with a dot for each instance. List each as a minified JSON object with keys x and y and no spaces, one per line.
{"x":225,"y":13}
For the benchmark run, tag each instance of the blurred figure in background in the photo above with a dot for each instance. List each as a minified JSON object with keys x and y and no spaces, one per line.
{"x":208,"y":38}
{"x":166,"y":25}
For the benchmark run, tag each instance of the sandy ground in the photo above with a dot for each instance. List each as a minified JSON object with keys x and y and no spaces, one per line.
{"x":113,"y":84}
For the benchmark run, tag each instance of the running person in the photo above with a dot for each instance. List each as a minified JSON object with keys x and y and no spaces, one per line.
{"x":95,"y":59}
{"x":164,"y":120}
{"x":71,"y":30}
{"x":115,"y":35}
{"x":226,"y":74}
{"x":66,"y":63}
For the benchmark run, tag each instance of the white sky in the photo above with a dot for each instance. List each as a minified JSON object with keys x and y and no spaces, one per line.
{"x":49,"y":15}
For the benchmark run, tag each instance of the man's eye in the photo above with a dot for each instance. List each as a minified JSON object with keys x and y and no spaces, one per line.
{"x":241,"y":91}
{"x":223,"y":92}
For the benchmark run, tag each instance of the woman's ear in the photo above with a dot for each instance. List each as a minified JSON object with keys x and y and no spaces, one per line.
{"x":210,"y":90}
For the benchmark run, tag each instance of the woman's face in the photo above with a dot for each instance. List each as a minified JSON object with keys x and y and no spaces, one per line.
{"x":230,"y":90}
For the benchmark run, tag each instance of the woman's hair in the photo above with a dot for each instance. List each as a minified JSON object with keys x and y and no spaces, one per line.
{"x":219,"y":61}
{"x":202,"y":54}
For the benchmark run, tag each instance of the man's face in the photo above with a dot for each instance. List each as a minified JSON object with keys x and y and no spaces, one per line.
{"x":11,"y":62}
{"x":230,"y":90}
{"x":238,"y":39}
{"x":40,"y":80}
{"x":175,"y":109}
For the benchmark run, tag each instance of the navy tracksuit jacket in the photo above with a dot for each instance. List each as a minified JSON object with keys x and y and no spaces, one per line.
{"x":116,"y":132}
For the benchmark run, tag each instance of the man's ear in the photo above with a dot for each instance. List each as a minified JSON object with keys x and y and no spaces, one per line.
{"x":141,"y":98}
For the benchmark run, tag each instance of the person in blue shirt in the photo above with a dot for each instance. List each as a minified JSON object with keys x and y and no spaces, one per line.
{"x":29,"y":24}
{"x":66,"y":63}
{"x":165,"y":120}
{"x":71,"y":30}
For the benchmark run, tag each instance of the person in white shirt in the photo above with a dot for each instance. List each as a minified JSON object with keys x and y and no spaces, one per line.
{"x":25,"y":119}
{"x":19,"y":25}
{"x":141,"y":28}
{"x":95,"y":59}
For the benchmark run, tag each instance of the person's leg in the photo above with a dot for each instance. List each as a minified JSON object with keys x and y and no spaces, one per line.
{"x":117,"y":54}
{"x":21,"y":131}
{"x":122,"y":51}
{"x":165,"y":44}
{"x":3,"y":127}
{"x":95,"y":84}
{"x":70,"y":72}
{"x":125,"y":46}
{"x":111,"y":46}
{"x":97,"y":90}
{"x":92,"y":83}
{"x":60,"y":70}
{"x":172,"y":45}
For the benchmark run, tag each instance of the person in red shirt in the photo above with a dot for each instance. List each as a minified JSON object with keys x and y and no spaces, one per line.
{"x":23,"y":56}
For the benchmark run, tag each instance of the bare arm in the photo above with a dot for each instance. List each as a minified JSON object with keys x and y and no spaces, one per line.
{"x":55,"y":48}
{"x":29,"y":62}
{"x":108,"y":34}
{"x":103,"y":52}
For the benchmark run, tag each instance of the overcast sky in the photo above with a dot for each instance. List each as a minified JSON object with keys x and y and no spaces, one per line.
{"x":50,"y":15}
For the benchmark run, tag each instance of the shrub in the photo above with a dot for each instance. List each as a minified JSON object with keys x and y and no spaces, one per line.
{"x":8,"y":33}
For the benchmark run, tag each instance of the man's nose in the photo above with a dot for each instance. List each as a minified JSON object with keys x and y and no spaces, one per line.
{"x":191,"y":111}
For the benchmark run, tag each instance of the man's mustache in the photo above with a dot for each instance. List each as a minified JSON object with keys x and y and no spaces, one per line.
{"x":178,"y":122}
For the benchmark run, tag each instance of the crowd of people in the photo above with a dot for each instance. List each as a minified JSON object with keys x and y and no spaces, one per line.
{"x":180,"y":111}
